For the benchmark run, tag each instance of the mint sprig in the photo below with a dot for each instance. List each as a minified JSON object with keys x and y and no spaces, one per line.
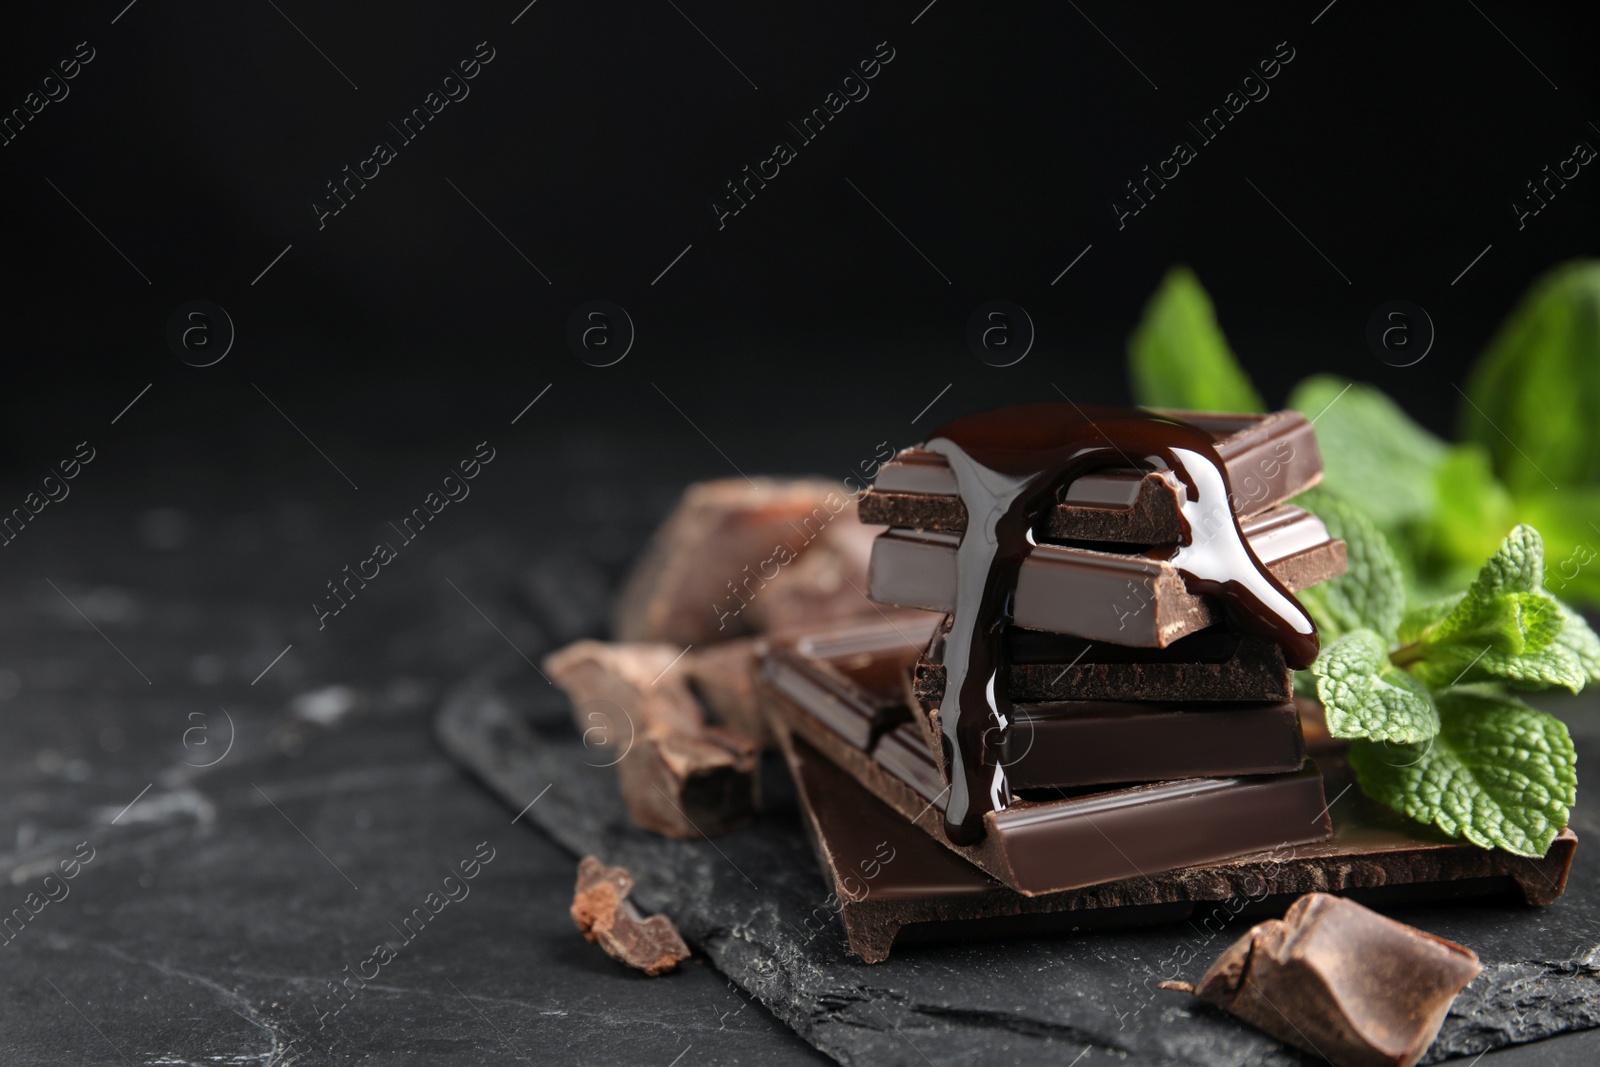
{"x":1470,"y":759}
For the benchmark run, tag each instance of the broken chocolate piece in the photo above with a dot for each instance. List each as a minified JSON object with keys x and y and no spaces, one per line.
{"x":1136,"y":599}
{"x":605,"y":915}
{"x":724,"y":676}
{"x":1269,"y":458}
{"x":826,"y":583}
{"x":1341,"y":982}
{"x":633,"y":707}
{"x":729,"y":555}
{"x":1040,"y":847}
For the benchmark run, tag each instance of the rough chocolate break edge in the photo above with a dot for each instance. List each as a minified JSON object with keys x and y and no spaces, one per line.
{"x":1269,"y":458}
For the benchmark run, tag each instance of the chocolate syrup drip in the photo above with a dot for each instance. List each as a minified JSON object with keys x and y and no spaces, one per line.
{"x":1009,"y":466}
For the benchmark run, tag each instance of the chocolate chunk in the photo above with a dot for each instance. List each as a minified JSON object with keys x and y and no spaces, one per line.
{"x":724,"y":676}
{"x":1269,"y":458}
{"x":1136,"y":599}
{"x":634,"y":709}
{"x":731,"y":560}
{"x":1215,"y":664}
{"x":1045,"y":846}
{"x":1341,"y":982}
{"x":605,"y":915}
{"x":825,"y":584}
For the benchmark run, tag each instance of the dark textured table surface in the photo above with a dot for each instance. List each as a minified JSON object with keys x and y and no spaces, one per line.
{"x":266,"y":801}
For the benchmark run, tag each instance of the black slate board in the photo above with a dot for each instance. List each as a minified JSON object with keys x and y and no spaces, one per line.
{"x":744,"y":900}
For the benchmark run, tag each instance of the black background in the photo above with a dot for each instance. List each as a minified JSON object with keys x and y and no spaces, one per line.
{"x":186,"y":565}
{"x":200,"y":135}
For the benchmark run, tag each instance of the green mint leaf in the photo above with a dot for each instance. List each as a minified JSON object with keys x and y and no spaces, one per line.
{"x":1373,"y":455}
{"x":1371,"y":594}
{"x":1473,"y":514}
{"x":1533,"y":400}
{"x":1503,"y":627}
{"x":1499,"y":774}
{"x":1553,"y":665}
{"x":1517,"y":566}
{"x":1505,"y":608}
{"x":1581,"y":641}
{"x":1521,"y":638}
{"x":1364,"y":695}
{"x":1505,"y":622}
{"x":1178,"y":358}
{"x":1569,"y":521}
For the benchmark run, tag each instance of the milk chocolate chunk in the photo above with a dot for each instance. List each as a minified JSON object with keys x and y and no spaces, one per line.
{"x":606,"y":917}
{"x":1137,"y":598}
{"x":1341,"y":982}
{"x":732,"y":559}
{"x":1038,"y":847}
{"x":634,"y":709}
{"x":1214,"y":665}
{"x":1269,"y":458}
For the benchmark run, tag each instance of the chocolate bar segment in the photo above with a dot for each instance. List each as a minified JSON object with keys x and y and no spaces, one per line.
{"x":1213,"y":664}
{"x":1268,"y":458}
{"x":1216,"y":664}
{"x":1136,"y":599}
{"x":1100,"y":742}
{"x":1045,"y":847}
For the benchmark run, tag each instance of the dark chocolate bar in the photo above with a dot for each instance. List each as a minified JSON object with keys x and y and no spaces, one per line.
{"x":1216,"y":664}
{"x":1040,"y":847}
{"x":1136,"y":599}
{"x":893,"y":884}
{"x":1268,"y":458}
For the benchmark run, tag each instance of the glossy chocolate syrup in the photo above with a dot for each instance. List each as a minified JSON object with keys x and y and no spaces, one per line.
{"x":1010,"y":465}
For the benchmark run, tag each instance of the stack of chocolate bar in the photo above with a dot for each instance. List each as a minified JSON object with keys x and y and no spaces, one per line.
{"x":1134,"y":712}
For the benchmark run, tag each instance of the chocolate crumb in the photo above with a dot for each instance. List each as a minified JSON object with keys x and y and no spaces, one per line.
{"x":601,"y":908}
{"x":1340,"y":981}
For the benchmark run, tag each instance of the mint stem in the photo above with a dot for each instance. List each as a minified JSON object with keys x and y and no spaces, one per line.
{"x":1408,"y":654}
